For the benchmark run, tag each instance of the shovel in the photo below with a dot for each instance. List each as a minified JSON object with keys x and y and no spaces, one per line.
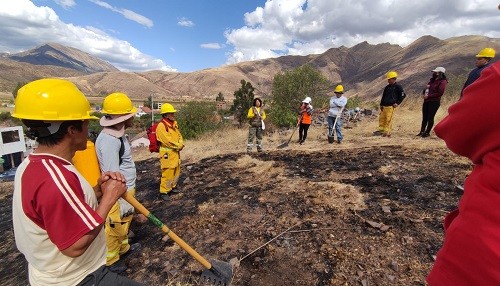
{"x":216,"y":272}
{"x":287,"y":142}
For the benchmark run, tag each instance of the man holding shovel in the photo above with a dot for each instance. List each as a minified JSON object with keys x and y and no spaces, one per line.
{"x":58,"y":220}
{"x":337,"y":104}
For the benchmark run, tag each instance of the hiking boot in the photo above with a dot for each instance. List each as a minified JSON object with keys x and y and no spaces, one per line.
{"x":378,"y":133}
{"x":420,"y":134}
{"x":174,"y":191}
{"x":118,"y":267}
{"x":134,"y":248}
{"x":301,"y":142}
{"x":426,"y":135}
{"x":164,"y":197}
{"x":339,"y":141}
{"x":259,"y":150}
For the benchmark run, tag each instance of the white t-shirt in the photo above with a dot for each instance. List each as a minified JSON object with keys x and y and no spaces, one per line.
{"x":52,"y":207}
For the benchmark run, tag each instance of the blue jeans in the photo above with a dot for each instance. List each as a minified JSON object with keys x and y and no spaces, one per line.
{"x":338,"y":127}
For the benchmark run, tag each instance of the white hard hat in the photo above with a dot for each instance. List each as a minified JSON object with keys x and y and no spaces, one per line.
{"x":439,"y":69}
{"x":307,"y":100}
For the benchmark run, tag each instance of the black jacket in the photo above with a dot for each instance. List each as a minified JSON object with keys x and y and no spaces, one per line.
{"x":393,"y":93}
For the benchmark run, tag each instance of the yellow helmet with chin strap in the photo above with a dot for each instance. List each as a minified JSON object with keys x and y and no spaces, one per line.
{"x":167,"y":108}
{"x":51,"y":99}
{"x":117,"y":103}
{"x":391,"y":74}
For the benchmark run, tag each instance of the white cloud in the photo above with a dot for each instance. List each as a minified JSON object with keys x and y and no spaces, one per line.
{"x":65,"y":3}
{"x":301,"y":27}
{"x":214,"y":46}
{"x":24,"y":25}
{"x":185,"y":22}
{"x":128,"y":14}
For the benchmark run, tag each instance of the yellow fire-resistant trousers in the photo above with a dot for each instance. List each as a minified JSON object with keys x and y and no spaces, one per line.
{"x":116,"y":230}
{"x":385,"y":119}
{"x":169,"y":178}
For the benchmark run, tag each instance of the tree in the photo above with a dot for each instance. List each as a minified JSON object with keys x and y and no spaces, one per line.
{"x":18,"y":86}
{"x":149,"y":102}
{"x":220,"y":97}
{"x":291,"y":87}
{"x":243,"y":99}
{"x":197,"y":118}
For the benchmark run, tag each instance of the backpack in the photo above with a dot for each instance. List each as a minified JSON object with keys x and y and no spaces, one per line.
{"x":154,"y":145}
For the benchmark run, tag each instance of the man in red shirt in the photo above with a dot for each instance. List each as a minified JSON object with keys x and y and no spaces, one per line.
{"x":58,"y":221}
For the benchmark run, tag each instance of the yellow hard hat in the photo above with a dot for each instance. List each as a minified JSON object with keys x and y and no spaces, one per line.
{"x":167,"y":108}
{"x":339,"y":89}
{"x":118,"y":103}
{"x":51,"y":100}
{"x":486,"y":53}
{"x":391,"y":74}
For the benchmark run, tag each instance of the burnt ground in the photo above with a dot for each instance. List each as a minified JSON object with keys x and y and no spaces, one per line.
{"x":364,"y":216}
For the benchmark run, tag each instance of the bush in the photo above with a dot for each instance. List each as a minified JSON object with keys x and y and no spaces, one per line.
{"x":197,"y":118}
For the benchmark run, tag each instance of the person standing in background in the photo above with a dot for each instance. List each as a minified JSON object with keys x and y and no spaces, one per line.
{"x":483,"y":60}
{"x":114,"y":154}
{"x":305,"y":119}
{"x":256,"y":116}
{"x":171,"y":143}
{"x":432,"y":100}
{"x":392,"y":97}
{"x":337,"y":104}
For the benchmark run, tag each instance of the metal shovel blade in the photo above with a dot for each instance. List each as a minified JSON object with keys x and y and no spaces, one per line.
{"x":221,"y":273}
{"x":283,"y":145}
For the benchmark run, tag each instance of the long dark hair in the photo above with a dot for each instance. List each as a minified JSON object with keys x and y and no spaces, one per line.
{"x":438,"y":75}
{"x":255,"y":101}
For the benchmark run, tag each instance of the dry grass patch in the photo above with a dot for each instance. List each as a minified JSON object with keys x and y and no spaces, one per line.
{"x":342,"y":197}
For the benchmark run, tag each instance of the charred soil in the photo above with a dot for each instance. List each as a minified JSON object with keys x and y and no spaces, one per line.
{"x":362,"y":216}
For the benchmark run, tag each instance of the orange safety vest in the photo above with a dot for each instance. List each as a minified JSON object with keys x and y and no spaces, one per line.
{"x":306,"y":118}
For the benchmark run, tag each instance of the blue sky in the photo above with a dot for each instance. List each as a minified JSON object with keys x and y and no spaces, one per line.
{"x":191,"y":35}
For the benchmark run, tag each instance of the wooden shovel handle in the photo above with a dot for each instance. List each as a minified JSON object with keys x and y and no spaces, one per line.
{"x":152,"y":218}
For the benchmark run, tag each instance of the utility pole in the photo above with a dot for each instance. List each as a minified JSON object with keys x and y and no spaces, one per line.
{"x":152,"y":109}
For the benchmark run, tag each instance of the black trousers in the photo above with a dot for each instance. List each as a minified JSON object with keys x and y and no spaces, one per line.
{"x":103,"y":276}
{"x":303,"y":131}
{"x":429,"y":109}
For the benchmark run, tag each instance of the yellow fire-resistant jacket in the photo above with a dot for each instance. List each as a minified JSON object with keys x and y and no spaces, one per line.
{"x":171,"y":142}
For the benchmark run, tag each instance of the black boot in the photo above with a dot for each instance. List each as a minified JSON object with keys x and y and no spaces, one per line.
{"x":426,"y":134}
{"x":421,"y":133}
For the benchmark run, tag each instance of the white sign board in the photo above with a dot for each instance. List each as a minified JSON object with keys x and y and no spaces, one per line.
{"x":12,"y":140}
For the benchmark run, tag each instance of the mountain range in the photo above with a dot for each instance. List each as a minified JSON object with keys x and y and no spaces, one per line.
{"x":361,"y":69}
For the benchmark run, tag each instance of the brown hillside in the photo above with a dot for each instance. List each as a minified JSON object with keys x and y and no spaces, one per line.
{"x":59,"y":55}
{"x":360,"y":69}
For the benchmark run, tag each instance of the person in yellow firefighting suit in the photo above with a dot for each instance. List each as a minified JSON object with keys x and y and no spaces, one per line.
{"x":114,"y":154}
{"x":171,"y":143}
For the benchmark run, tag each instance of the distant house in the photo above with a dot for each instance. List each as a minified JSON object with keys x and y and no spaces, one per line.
{"x":143,"y":110}
{"x":140,"y":142}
